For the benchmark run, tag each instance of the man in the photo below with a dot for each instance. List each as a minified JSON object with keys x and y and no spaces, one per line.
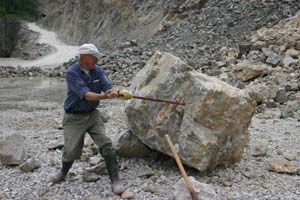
{"x":87,"y":84}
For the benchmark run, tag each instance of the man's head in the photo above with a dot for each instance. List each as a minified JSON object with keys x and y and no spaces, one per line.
{"x":89,"y":56}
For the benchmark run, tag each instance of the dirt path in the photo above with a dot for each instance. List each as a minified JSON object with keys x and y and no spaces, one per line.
{"x":62,"y":53}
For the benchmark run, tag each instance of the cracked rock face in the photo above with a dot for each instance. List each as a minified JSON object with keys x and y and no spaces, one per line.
{"x":210,"y":130}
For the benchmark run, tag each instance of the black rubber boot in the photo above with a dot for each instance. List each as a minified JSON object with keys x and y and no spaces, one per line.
{"x":110,"y":158}
{"x":61,"y":174}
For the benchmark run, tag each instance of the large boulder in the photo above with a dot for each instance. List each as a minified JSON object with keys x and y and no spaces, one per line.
{"x":210,"y":130}
{"x":12,"y":151}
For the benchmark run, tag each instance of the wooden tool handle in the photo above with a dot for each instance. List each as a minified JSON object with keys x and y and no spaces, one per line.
{"x":178,"y":161}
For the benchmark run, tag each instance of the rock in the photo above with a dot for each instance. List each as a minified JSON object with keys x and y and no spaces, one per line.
{"x":58,"y":124}
{"x":261,"y":92}
{"x":85,"y":156}
{"x":30,"y":165}
{"x":93,"y":149}
{"x":210,"y":130}
{"x":249,"y":173}
{"x":12,"y":151}
{"x":292,"y":53}
{"x":90,"y":177}
{"x":127,"y":195}
{"x":152,"y":189}
{"x":95,"y":160}
{"x":286,"y":113}
{"x":57,"y":144}
{"x":290,"y":157}
{"x":229,"y":55}
{"x":98,"y":169}
{"x":130,"y":146}
{"x":104,"y":115}
{"x":224,"y":77}
{"x":261,"y":108}
{"x":271,"y":103}
{"x":3,"y":196}
{"x":227,"y":181}
{"x":282,"y":166}
{"x":281,"y":96}
{"x":244,"y":48}
{"x":288,"y":61}
{"x":129,"y":44}
{"x":88,"y":141}
{"x":256,"y":56}
{"x":248,"y":70}
{"x":294,"y":105}
{"x":292,"y":86}
{"x":145,"y":172}
{"x":259,"y":151}
{"x":93,"y":198}
{"x":203,"y":190}
{"x":279,"y":152}
{"x":273,"y":59}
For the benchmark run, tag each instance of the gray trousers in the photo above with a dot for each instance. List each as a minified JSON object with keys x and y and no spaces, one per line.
{"x":75,"y":126}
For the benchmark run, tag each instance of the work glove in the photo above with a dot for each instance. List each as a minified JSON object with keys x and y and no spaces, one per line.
{"x":125,"y":94}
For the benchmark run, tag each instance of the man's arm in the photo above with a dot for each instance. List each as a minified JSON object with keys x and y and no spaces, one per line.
{"x":77,"y":86}
{"x":91,"y":96}
{"x":109,"y":94}
{"x":109,"y":91}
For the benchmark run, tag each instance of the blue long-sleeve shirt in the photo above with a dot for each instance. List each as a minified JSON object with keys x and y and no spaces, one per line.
{"x":79,"y":83}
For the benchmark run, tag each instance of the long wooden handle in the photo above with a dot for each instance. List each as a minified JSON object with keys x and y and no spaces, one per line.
{"x":159,"y":100}
{"x":178,"y":161}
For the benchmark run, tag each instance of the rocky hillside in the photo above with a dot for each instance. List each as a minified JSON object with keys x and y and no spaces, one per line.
{"x":174,"y":25}
{"x":101,"y":21}
{"x":11,"y":15}
{"x":128,"y":32}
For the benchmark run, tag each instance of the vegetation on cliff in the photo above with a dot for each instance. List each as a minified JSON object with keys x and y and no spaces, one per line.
{"x":19,"y":9}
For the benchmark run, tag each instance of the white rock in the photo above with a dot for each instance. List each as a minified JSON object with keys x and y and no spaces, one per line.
{"x":12,"y":151}
{"x":248,"y":70}
{"x":203,"y":190}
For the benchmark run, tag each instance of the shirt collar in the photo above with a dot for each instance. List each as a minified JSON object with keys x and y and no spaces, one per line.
{"x":87,"y":72}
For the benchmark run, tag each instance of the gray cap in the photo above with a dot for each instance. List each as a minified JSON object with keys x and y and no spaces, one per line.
{"x":89,"y":49}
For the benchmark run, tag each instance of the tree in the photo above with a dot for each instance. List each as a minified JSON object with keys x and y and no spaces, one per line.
{"x":20,"y":9}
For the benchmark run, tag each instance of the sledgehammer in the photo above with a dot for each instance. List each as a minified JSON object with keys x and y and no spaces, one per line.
{"x":159,"y":100}
{"x":125,"y":94}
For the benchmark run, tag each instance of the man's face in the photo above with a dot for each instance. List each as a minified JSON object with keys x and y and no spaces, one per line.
{"x":88,"y":61}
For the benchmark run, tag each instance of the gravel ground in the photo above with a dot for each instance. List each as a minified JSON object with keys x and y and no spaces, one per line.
{"x":30,"y":107}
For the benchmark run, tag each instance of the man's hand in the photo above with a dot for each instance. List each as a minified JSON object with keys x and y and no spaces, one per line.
{"x":125,"y":94}
{"x":109,"y":94}
{"x":112,"y":93}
